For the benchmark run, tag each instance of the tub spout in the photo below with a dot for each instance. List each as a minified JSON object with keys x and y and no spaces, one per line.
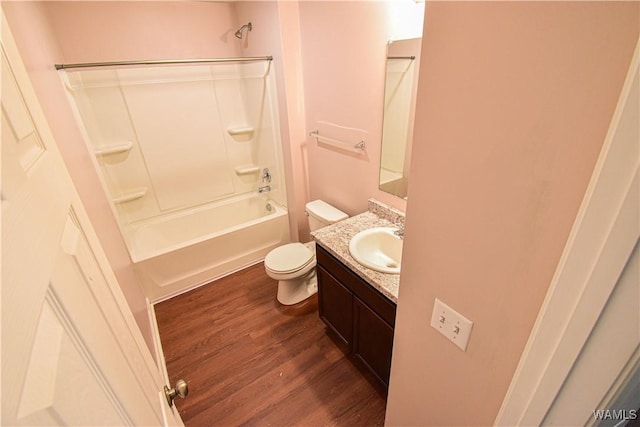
{"x":264,"y":189}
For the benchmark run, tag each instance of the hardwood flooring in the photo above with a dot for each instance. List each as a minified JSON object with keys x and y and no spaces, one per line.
{"x":250,"y":361}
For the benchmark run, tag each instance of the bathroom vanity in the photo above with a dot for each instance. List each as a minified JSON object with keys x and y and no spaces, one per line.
{"x":361,"y":317}
{"x":357,"y":304}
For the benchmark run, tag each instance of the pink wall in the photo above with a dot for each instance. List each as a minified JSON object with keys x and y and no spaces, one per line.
{"x":99,"y":31}
{"x":515,"y":99}
{"x":293,"y":87}
{"x":343,"y":50}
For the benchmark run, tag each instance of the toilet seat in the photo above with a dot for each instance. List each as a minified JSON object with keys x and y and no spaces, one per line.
{"x":289,"y":258}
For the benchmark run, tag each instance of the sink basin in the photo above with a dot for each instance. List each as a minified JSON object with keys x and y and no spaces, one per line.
{"x":378,"y":249}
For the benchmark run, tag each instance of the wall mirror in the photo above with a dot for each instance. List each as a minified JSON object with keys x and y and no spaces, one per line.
{"x":403,"y":61}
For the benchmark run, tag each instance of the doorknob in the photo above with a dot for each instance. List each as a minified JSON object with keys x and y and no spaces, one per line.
{"x":180,"y":389}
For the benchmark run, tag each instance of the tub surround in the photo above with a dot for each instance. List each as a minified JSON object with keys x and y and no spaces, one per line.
{"x":183,"y":221}
{"x":335,"y":239}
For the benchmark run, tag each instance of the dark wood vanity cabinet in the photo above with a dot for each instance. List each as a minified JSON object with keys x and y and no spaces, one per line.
{"x":359,"y":316}
{"x":372,"y":340}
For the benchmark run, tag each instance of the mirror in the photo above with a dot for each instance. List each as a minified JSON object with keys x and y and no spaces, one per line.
{"x":403,"y":61}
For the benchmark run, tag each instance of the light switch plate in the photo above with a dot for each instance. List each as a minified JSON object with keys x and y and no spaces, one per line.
{"x":451,"y":324}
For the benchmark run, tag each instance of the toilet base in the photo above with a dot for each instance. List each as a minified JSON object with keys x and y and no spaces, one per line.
{"x":294,"y":291}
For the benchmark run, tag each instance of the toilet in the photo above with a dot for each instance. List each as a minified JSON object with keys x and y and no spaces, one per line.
{"x":294,"y":265}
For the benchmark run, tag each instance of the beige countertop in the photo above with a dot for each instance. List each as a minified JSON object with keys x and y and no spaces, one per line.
{"x":335,"y":239}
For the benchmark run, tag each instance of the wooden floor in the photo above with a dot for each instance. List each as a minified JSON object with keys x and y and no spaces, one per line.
{"x":250,"y":361}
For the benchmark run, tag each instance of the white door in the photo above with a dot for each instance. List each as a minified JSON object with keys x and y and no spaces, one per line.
{"x":71,"y":352}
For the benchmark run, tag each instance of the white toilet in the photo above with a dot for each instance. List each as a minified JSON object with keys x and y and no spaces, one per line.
{"x":294,"y":265}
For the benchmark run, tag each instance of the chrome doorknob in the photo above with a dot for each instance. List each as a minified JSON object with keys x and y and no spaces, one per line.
{"x":180,"y":390}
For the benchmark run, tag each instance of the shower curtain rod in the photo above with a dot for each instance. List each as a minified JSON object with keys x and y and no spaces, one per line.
{"x":162,"y":62}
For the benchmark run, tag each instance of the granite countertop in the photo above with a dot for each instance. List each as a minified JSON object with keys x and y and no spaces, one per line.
{"x":335,"y":239}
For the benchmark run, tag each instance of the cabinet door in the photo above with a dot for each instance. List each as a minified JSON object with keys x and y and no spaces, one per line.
{"x":372,"y":340}
{"x":335,"y":305}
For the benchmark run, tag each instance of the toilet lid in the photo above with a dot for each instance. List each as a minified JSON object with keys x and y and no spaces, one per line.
{"x":288,"y":258}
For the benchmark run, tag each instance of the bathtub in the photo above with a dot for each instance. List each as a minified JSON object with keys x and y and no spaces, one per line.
{"x":177,"y":252}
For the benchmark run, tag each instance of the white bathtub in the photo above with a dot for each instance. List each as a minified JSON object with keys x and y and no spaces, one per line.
{"x":176,"y":252}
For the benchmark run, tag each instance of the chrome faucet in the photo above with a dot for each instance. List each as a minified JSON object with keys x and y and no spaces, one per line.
{"x":266,"y":175}
{"x":264,"y":188}
{"x":400,"y":231}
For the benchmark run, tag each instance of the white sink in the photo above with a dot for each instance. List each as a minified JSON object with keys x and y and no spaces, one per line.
{"x":378,"y":249}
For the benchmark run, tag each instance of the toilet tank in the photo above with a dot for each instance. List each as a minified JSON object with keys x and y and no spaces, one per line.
{"x":320,"y":214}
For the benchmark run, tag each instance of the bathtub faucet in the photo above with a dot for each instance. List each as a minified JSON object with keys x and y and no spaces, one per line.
{"x":264,"y":188}
{"x":266,"y":175}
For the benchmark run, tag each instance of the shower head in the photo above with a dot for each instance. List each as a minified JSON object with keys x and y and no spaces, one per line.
{"x":248,"y":26}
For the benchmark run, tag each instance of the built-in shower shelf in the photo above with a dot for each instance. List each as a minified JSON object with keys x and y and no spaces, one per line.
{"x":247,"y":170}
{"x":246,"y":131}
{"x":130,"y":196}
{"x":117,"y":148}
